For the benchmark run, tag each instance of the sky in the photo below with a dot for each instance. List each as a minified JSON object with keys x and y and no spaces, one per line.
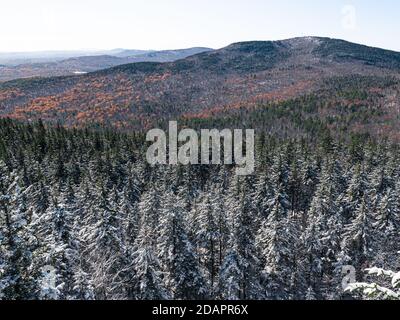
{"x":27,"y":25}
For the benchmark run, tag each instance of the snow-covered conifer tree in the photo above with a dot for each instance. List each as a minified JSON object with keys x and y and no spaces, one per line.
{"x":183,"y":274}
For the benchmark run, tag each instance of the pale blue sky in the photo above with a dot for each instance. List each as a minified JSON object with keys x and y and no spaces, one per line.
{"x":31,"y":25}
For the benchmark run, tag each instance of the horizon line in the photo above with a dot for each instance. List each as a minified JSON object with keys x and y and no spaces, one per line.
{"x":92,"y":50}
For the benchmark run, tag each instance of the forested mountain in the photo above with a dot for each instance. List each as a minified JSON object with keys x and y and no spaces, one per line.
{"x":87,"y":204}
{"x":240,"y":76}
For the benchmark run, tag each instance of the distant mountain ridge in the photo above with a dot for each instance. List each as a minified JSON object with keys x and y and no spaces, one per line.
{"x":17,"y":58}
{"x":57,"y":65}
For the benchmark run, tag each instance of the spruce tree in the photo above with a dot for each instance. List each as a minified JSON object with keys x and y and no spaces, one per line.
{"x":184,"y":277}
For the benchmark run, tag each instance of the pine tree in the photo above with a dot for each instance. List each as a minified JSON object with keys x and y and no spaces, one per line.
{"x":387,"y":224}
{"x":243,"y":251}
{"x":184,"y":277}
{"x":147,"y":277}
{"x":323,"y":234}
{"x":263,"y":194}
{"x":129,"y":206}
{"x":359,"y":235}
{"x":357,"y":188}
{"x":277,"y":248}
{"x":207,"y":239}
{"x":149,"y":207}
{"x":18,"y":281}
{"x":230,"y":276}
{"x":104,"y":241}
{"x":220,"y":218}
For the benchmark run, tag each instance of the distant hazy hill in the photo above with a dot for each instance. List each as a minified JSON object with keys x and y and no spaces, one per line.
{"x":54,"y":66}
{"x":16,"y":58}
{"x":167,"y":55}
{"x":221,"y":83}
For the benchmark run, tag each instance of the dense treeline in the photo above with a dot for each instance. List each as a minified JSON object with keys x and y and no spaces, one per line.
{"x":343,"y":107}
{"x":112,"y":227}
